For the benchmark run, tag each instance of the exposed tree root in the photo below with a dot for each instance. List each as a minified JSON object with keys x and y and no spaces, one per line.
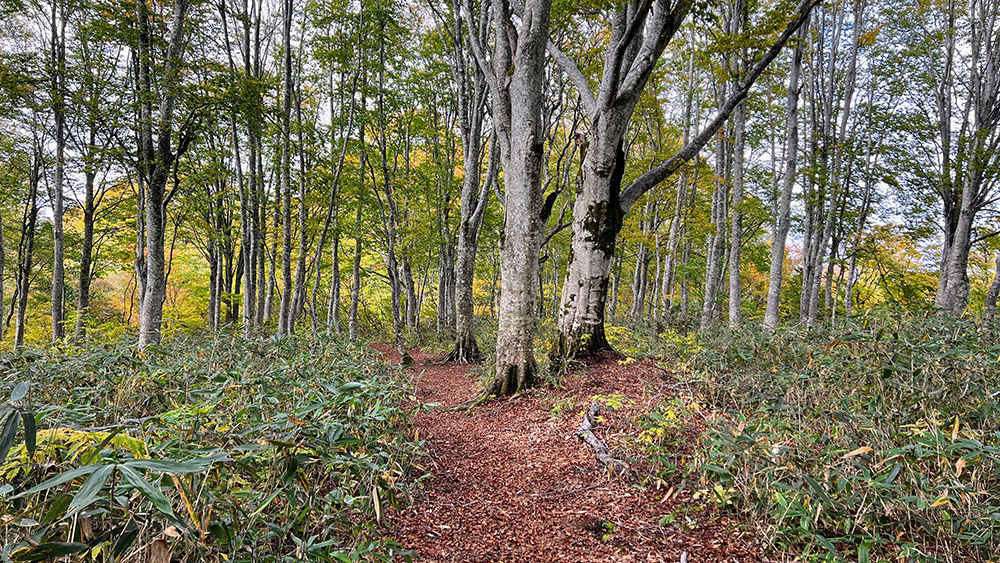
{"x":601,"y":451}
{"x":466,"y":351}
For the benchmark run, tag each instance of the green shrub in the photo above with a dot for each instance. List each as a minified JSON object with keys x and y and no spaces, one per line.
{"x":878,"y":443}
{"x":282,"y":450}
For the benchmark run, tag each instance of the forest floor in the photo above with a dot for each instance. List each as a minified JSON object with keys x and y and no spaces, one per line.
{"x":510,"y":481}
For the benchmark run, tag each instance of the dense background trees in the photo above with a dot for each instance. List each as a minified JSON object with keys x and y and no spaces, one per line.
{"x":272,"y":167}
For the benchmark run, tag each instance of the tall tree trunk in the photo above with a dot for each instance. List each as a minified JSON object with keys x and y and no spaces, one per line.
{"x":782,"y":222}
{"x":86,"y":257}
{"x":157,"y":162}
{"x":285,"y":310}
{"x":470,"y":82}
{"x":299,"y":298}
{"x":738,"y":23}
{"x":516,"y":76}
{"x":26,"y":248}
{"x":717,"y":240}
{"x":389,"y":222}
{"x":352,"y":321}
{"x":333,"y":217}
{"x":58,"y":309}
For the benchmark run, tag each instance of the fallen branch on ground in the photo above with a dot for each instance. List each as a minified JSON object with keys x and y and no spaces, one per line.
{"x":601,"y":451}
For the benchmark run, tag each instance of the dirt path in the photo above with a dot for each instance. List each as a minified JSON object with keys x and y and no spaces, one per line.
{"x":511,"y":482}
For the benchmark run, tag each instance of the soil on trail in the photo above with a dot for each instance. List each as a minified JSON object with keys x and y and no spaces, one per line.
{"x":512,"y":483}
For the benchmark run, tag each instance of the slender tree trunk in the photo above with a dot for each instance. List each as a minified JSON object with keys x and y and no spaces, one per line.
{"x":782,"y":222}
{"x":717,"y":240}
{"x":990,"y":306}
{"x":736,"y":231}
{"x":86,"y":258}
{"x":352,"y":321}
{"x":157,"y":163}
{"x":285,"y":310}
{"x":58,"y":309}
{"x":470,"y":83}
{"x":299,"y":298}
{"x":26,"y":249}
{"x":738,"y":25}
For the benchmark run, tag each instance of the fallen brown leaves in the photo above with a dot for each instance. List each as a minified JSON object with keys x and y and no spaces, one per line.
{"x":512,"y":483}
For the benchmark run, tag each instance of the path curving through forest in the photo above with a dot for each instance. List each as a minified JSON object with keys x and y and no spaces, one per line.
{"x":512,"y":483}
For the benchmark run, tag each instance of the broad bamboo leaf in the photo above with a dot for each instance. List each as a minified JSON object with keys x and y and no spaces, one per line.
{"x":63,"y":477}
{"x":46,"y":551}
{"x":8,"y":433}
{"x":177,"y":467}
{"x":20,"y":391}
{"x":30,"y":432}
{"x":90,"y":489}
{"x":147,"y":489}
{"x":57,"y":507}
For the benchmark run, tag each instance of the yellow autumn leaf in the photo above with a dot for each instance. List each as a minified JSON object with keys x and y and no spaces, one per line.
{"x":959,"y":466}
{"x":954,"y":430}
{"x":941,"y":501}
{"x":857,"y":452}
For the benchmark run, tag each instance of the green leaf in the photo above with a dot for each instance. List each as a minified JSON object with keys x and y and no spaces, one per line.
{"x":20,"y":391}
{"x":826,"y":543}
{"x":863,"y":556}
{"x":819,"y":491}
{"x":63,"y":477}
{"x":30,"y":432}
{"x":350,"y":386}
{"x":177,"y":467}
{"x":8,"y":433}
{"x":57,"y":507}
{"x":147,"y":489}
{"x":90,"y":489}
{"x":50,"y":550}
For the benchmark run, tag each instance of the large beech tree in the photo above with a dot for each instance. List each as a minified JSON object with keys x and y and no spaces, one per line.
{"x":639,"y":33}
{"x":515,"y":71}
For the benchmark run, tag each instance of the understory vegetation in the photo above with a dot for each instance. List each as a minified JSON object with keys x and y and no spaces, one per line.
{"x":877,"y":442}
{"x":234,"y":450}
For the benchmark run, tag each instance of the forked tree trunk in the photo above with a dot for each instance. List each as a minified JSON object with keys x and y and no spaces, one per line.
{"x":157,"y":162}
{"x":470,"y":82}
{"x":602,"y":204}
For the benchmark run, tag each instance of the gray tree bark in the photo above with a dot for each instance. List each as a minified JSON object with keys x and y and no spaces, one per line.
{"x":602,"y":203}
{"x":738,"y":22}
{"x":285,"y":308}
{"x":471,"y":87}
{"x":157,"y":162}
{"x":782,"y":223}
{"x":515,"y":75}
{"x":58,"y":78}
{"x":26,"y":247}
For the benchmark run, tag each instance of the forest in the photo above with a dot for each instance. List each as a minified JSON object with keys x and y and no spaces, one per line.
{"x":500,"y":280}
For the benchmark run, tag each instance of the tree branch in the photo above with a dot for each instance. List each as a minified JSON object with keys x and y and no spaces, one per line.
{"x":651,"y":179}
